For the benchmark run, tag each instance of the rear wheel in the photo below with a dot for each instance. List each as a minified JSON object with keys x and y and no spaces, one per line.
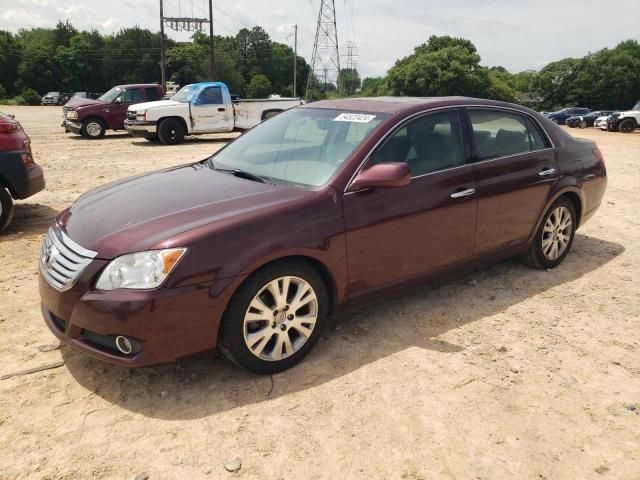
{"x":627,"y":126}
{"x":554,"y":237}
{"x":275,"y":318}
{"x":171,"y":131}
{"x":93,"y":128}
{"x":6,"y":208}
{"x":583,"y":124}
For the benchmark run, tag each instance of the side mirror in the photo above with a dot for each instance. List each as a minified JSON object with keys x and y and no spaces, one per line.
{"x":383,"y":175}
{"x":118,"y":100}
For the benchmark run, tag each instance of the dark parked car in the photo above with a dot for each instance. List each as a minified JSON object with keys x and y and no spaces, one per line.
{"x":92,"y":118}
{"x":20,"y":177}
{"x":561,"y":116}
{"x":584,"y":121}
{"x":318,"y":209}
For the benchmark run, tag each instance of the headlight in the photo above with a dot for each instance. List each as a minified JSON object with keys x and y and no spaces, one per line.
{"x":142,"y":270}
{"x":72,"y":115}
{"x":141,"y":115}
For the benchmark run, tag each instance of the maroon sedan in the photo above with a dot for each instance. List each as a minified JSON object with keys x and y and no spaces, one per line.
{"x":20,"y":176}
{"x":318,"y":209}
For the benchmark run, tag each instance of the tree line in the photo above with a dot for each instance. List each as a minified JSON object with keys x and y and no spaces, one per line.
{"x":38,"y":60}
{"x":64,"y":58}
{"x":609,"y":78}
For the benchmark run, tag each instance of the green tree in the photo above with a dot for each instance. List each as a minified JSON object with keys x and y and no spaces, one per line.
{"x":10,"y":55}
{"x":554,"y":83}
{"x":348,"y":81}
{"x":259,"y":87}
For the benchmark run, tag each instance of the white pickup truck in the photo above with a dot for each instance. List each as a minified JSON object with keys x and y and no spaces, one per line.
{"x":198,"y":109}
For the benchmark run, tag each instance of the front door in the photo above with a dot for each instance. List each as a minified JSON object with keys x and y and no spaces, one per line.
{"x":118,"y":109}
{"x":515,"y":169}
{"x":209,"y":112}
{"x":395,"y":234}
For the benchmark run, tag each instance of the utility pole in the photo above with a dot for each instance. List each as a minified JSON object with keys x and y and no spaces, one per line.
{"x":163,"y":67}
{"x":325,"y":61}
{"x":212,"y":70}
{"x":295,"y":59}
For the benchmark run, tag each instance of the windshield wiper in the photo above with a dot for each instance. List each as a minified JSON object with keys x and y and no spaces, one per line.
{"x":240,"y":173}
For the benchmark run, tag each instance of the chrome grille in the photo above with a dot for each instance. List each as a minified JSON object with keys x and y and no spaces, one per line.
{"x":131,"y":115}
{"x":62,"y":260}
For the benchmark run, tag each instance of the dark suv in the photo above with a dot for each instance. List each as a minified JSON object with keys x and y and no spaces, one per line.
{"x":20,"y":177}
{"x":92,"y":118}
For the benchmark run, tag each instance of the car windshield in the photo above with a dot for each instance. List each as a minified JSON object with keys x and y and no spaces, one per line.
{"x":111,"y":94}
{"x":301,"y":146}
{"x":184,"y":94}
{"x":52,"y":93}
{"x":636,"y":106}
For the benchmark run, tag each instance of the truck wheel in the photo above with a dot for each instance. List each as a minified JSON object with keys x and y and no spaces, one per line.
{"x":627,"y":126}
{"x":93,"y":128}
{"x":171,"y":131}
{"x":6,"y":208}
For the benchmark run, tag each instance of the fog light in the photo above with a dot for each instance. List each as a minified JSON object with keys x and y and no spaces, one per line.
{"x":127,"y":346}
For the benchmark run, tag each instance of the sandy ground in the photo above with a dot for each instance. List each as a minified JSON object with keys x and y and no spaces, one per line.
{"x":507,"y":372}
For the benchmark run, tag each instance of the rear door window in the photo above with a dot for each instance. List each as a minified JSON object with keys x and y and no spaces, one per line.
{"x":152,"y":94}
{"x":499,"y":134}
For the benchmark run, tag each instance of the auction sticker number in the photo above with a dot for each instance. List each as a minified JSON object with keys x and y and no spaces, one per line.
{"x":354,"y":117}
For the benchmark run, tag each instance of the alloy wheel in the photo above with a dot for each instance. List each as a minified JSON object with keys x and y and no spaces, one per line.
{"x":557,"y":233}
{"x":280,"y":318}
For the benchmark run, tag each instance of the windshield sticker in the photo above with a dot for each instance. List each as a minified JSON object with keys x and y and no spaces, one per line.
{"x":354,"y":117}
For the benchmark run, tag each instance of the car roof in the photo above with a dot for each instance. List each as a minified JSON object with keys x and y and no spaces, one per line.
{"x":127,"y":85}
{"x":393,"y":105}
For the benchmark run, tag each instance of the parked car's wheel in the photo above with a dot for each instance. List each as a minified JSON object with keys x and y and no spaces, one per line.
{"x":6,"y":208}
{"x":627,"y":126}
{"x":171,"y":131}
{"x":554,"y":237}
{"x":93,"y":128}
{"x":583,"y":124}
{"x":152,"y":138}
{"x":275,"y":318}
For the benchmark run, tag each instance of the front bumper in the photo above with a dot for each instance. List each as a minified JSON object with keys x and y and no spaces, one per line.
{"x":613,"y":123}
{"x":140,"y":129}
{"x":72,"y":126}
{"x":170,"y":323}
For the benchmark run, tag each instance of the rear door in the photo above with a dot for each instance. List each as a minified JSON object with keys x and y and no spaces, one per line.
{"x":515,"y":168}
{"x":395,"y":234}
{"x":209,"y":111}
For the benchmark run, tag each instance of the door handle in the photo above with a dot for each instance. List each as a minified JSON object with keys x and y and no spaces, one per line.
{"x":222,"y":109}
{"x":463,"y":193}
{"x":546,"y":172}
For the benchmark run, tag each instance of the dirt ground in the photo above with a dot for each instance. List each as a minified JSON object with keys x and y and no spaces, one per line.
{"x":507,"y":372}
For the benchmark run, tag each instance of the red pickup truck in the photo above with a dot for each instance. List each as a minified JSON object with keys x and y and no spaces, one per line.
{"x":92,"y":118}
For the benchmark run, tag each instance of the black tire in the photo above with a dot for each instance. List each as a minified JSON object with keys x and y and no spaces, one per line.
{"x":93,"y":128}
{"x":231,"y":339}
{"x":535,"y":256}
{"x":153,"y":139}
{"x":171,"y":131}
{"x":627,"y":126}
{"x":583,"y":124}
{"x":6,"y":208}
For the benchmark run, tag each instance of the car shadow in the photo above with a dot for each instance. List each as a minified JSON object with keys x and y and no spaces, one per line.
{"x":197,"y":388}
{"x":30,"y":218}
{"x":107,"y":136}
{"x":187,"y":141}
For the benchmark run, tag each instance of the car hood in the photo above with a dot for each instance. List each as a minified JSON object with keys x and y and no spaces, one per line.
{"x":78,"y":102}
{"x":154,"y":104}
{"x":138,"y":213}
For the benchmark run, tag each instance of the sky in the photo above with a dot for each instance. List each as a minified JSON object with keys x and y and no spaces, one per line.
{"x":516,"y":34}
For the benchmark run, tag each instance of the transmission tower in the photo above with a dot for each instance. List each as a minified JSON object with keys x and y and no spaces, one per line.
{"x":325,"y":61}
{"x":351,"y":56}
{"x":348,"y":83}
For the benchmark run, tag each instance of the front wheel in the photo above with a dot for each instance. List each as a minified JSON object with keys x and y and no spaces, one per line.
{"x":6,"y":208}
{"x":554,"y":237}
{"x":275,"y":318}
{"x":93,"y":128}
{"x":171,"y":131}
{"x":583,"y":124}
{"x":627,"y":126}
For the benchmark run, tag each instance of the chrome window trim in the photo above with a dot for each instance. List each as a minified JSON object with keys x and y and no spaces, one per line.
{"x":451,"y":107}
